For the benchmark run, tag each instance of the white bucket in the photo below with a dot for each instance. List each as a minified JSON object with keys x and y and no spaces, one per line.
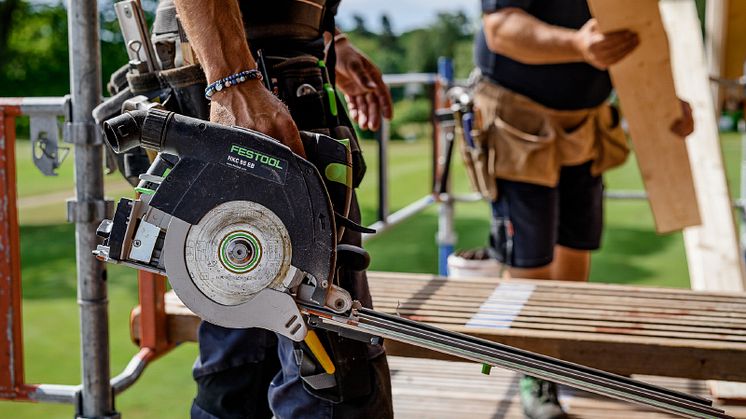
{"x":459,"y":267}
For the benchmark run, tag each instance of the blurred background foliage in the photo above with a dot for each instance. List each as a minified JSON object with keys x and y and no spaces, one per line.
{"x":34,"y":52}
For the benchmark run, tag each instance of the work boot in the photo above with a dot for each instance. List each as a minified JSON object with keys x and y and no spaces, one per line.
{"x":539,"y":399}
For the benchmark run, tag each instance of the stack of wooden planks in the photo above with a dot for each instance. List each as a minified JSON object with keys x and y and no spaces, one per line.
{"x":628,"y":330}
{"x":622,"y":329}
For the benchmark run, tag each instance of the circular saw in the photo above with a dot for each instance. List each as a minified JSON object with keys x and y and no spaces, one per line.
{"x":243,"y":228}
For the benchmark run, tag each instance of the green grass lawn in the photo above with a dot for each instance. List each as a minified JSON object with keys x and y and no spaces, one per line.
{"x":632,"y":254}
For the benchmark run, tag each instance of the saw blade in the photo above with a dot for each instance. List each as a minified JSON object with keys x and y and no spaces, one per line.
{"x":236,"y":250}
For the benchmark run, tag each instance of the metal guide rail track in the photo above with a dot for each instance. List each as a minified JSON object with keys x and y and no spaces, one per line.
{"x":373,"y":323}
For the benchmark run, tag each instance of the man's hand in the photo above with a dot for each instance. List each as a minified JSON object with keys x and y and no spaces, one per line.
{"x":362,"y":84}
{"x":251,"y":105}
{"x":604,"y":49}
{"x":684,"y":125}
{"x":216,"y":33}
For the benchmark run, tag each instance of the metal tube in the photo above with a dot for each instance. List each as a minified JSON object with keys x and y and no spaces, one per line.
{"x":410,"y":210}
{"x":446,"y":236}
{"x":85,"y":88}
{"x":383,"y":171}
{"x":628,"y":195}
{"x":742,"y":196}
{"x":55,"y":393}
{"x":398,"y":80}
{"x":132,"y":371}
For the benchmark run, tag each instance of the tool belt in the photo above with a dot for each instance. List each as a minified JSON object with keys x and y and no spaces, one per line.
{"x":304,"y":87}
{"x":517,"y":139}
{"x":286,"y":18}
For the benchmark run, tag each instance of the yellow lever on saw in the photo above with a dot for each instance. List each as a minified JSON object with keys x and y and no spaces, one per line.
{"x":318,"y":350}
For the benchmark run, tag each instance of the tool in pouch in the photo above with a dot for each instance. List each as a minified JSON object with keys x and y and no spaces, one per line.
{"x":474,"y":145}
{"x":246,"y":234}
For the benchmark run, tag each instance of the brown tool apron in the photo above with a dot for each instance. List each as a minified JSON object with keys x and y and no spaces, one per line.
{"x":528,"y":142}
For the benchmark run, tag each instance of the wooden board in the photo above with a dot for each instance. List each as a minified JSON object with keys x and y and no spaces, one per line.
{"x":735,"y":41}
{"x":646,"y":90}
{"x":712,"y":249}
{"x":652,"y":330}
{"x":726,"y":46}
{"x":425,"y":388}
{"x":716,"y":21}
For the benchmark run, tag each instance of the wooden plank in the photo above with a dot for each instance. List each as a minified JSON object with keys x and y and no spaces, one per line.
{"x":478,"y":283}
{"x":712,"y":249}
{"x":426,"y":388}
{"x":735,"y":42}
{"x":716,"y":21}
{"x":645,"y":86}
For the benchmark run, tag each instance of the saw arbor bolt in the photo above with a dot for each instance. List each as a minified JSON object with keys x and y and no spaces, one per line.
{"x":240,"y":252}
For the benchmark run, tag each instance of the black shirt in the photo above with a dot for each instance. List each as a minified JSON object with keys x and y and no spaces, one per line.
{"x":558,"y":86}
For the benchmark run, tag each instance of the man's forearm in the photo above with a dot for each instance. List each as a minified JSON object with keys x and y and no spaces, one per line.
{"x":216,"y":33}
{"x":516,"y":34}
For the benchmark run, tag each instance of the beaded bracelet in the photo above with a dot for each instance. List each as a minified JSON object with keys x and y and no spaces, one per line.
{"x":232,"y":80}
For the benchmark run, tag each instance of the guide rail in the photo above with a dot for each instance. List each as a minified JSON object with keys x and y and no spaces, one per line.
{"x":376,"y":324}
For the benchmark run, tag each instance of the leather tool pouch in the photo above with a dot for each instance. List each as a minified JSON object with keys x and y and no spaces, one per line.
{"x":179,"y":90}
{"x":530,"y":143}
{"x":611,"y":141}
{"x":525,"y":155}
{"x":350,"y":358}
{"x":299,"y":82}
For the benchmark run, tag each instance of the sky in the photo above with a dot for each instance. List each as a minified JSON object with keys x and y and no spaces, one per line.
{"x":404,"y":14}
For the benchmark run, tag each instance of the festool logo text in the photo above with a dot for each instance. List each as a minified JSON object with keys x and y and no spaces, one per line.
{"x":256,"y":156}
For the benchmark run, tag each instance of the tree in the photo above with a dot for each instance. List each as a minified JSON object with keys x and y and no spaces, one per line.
{"x":7,"y":7}
{"x":388,"y":37}
{"x":441,"y":39}
{"x":389,"y":57}
{"x":360,"y":27}
{"x":35,"y":60}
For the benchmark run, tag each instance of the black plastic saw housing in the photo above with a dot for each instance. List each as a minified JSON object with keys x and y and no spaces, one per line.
{"x":218,"y":164}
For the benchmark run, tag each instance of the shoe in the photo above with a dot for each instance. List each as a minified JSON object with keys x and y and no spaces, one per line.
{"x":539,"y":399}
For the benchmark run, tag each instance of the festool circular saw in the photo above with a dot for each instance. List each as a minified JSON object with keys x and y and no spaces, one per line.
{"x":246,"y":233}
{"x":241,"y":226}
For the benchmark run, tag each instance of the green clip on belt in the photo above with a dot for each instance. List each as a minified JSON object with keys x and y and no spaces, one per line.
{"x":330,"y":94}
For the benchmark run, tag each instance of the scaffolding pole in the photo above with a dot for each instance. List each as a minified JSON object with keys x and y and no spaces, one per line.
{"x":88,"y":208}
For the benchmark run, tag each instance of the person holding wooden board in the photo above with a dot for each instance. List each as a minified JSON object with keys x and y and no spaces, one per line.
{"x":542,"y":99}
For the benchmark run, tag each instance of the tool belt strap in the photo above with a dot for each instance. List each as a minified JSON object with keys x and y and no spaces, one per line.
{"x":283,"y":18}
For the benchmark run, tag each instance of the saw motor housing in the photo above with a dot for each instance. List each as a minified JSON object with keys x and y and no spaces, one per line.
{"x":242,"y":227}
